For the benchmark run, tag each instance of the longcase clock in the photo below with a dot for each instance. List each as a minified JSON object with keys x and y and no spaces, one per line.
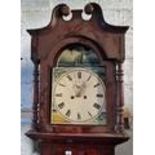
{"x":78,"y":86}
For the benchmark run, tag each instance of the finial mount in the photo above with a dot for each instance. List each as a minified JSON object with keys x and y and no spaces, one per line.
{"x":89,"y":9}
{"x":65,"y":10}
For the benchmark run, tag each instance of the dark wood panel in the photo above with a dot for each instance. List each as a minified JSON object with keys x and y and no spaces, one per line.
{"x":47,"y":45}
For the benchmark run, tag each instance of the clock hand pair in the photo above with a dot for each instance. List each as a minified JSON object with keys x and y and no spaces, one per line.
{"x":77,"y":91}
{"x":81,"y":89}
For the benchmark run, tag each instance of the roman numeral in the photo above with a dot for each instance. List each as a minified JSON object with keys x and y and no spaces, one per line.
{"x":61,"y":105}
{"x":97,"y":106}
{"x":59,"y":95}
{"x":62,"y":85}
{"x":89,"y":78}
{"x":79,"y":74}
{"x":89,"y":114}
{"x":96,"y":85}
{"x":78,"y":116}
{"x":99,"y":95}
{"x":69,"y":77}
{"x":68,"y":113}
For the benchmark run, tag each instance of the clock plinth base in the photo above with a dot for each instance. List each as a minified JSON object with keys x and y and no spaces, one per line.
{"x":77,"y":144}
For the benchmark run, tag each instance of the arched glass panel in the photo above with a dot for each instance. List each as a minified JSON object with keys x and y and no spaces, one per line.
{"x":77,"y":56}
{"x":79,"y":81}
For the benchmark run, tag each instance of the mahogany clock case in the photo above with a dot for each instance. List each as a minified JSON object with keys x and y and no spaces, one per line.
{"x":46,"y":48}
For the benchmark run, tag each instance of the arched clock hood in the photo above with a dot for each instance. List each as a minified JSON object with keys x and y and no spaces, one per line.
{"x":59,"y":33}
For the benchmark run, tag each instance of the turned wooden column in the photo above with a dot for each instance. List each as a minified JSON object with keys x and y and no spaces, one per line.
{"x":119,"y":98}
{"x":35,"y":119}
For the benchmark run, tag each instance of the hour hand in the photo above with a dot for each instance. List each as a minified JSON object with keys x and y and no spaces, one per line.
{"x":78,"y":87}
{"x":77,"y":90}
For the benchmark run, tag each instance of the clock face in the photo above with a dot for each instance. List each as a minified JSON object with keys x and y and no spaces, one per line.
{"x":78,"y":97}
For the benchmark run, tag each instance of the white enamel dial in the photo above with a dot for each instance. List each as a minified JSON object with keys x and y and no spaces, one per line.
{"x":79,"y":95}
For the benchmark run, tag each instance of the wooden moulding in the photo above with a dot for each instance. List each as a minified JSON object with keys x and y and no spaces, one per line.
{"x":113,"y":139}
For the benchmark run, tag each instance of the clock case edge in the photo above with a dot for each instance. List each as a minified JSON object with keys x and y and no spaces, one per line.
{"x":98,"y":31}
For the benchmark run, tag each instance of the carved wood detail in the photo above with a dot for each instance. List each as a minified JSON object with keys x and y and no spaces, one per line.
{"x":108,"y":42}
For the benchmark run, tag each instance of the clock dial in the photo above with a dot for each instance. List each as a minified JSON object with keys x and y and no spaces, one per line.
{"x":79,"y":96}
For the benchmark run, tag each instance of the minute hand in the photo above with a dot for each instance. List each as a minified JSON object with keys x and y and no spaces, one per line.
{"x":81,"y":91}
